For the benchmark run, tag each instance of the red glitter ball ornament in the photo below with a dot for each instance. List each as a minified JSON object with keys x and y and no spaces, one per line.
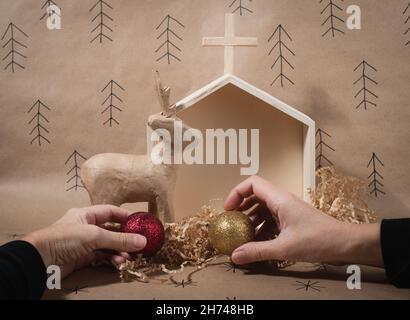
{"x":150,"y":227}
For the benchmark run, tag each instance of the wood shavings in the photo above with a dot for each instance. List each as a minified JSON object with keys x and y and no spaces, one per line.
{"x":187,"y":242}
{"x":341,"y":197}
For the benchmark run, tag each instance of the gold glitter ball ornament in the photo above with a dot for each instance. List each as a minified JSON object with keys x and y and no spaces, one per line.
{"x":230,"y":230}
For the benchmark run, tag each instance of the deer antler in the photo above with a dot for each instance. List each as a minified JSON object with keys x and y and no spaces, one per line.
{"x":163,"y":94}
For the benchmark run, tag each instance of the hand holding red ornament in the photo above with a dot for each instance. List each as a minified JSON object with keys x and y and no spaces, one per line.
{"x":150,"y":227}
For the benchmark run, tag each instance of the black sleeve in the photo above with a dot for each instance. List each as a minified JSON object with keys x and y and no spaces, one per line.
{"x":22,"y":272}
{"x":395,"y":243}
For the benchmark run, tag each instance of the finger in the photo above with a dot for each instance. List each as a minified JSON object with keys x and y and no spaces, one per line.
{"x":102,"y":258}
{"x":260,"y":214}
{"x":248,"y":203}
{"x":101,"y":214}
{"x":267,"y":231}
{"x":257,"y":251}
{"x":122,"y":242}
{"x":111,"y":227}
{"x":117,"y":260}
{"x":126,"y":255}
{"x":262,"y":189}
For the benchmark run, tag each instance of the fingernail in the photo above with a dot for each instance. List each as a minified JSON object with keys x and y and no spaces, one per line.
{"x":238,"y":256}
{"x":118,"y":260}
{"x":126,"y":255}
{"x":228,"y":207}
{"x":140,"y":241}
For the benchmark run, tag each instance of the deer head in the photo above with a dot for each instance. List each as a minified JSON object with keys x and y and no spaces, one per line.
{"x":167,"y":118}
{"x":161,"y":121}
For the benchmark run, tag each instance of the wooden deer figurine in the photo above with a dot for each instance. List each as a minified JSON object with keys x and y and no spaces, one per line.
{"x":123,"y":178}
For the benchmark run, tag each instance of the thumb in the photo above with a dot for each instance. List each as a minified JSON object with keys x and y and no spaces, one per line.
{"x":256,"y":251}
{"x":122,"y":242}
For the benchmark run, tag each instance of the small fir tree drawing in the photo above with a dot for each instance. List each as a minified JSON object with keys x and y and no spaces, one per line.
{"x":240,"y":6}
{"x":13,"y":42}
{"x":281,"y":52}
{"x":110,"y":102}
{"x":103,"y":19}
{"x":375,"y":178}
{"x":406,"y":13}
{"x":74,"y":160}
{"x":332,"y":20}
{"x":321,"y":147}
{"x":169,"y":50}
{"x":365,"y":81}
{"x":39,"y":121}
{"x":48,"y":4}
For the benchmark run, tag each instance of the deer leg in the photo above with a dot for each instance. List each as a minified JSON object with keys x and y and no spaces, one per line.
{"x":170,"y":204}
{"x":152,"y":207}
{"x":95,"y":199}
{"x":103,"y":195}
{"x":165,"y":209}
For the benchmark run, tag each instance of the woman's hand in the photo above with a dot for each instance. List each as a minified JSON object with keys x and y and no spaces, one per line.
{"x":77,"y":239}
{"x":304,"y":233}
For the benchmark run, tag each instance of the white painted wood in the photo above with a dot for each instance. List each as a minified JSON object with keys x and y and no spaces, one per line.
{"x":229,"y":42}
{"x":309,"y":161}
{"x":247,"y":87}
{"x":309,"y":124}
{"x":243,"y":42}
{"x":229,"y":50}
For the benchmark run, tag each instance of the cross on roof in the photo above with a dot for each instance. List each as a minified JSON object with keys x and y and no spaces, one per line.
{"x":230,"y":41}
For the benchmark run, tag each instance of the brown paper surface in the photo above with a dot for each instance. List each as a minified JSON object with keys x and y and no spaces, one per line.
{"x":67,"y":73}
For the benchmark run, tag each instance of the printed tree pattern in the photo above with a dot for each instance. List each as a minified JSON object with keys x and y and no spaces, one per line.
{"x":331,"y":13}
{"x":109,"y":102}
{"x":170,"y":38}
{"x":15,"y":46}
{"x":321,"y":147}
{"x":281,"y":50}
{"x":102,"y":29}
{"x":74,"y":172}
{"x":407,"y":11}
{"x":230,"y":267}
{"x":39,"y":120}
{"x":238,"y":6}
{"x":365,"y":82}
{"x":46,"y":5}
{"x":309,"y":285}
{"x":183,"y":283}
{"x":76,"y":290}
{"x":375,"y":178}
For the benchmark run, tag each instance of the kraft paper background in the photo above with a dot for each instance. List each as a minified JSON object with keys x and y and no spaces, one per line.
{"x":67,"y":73}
